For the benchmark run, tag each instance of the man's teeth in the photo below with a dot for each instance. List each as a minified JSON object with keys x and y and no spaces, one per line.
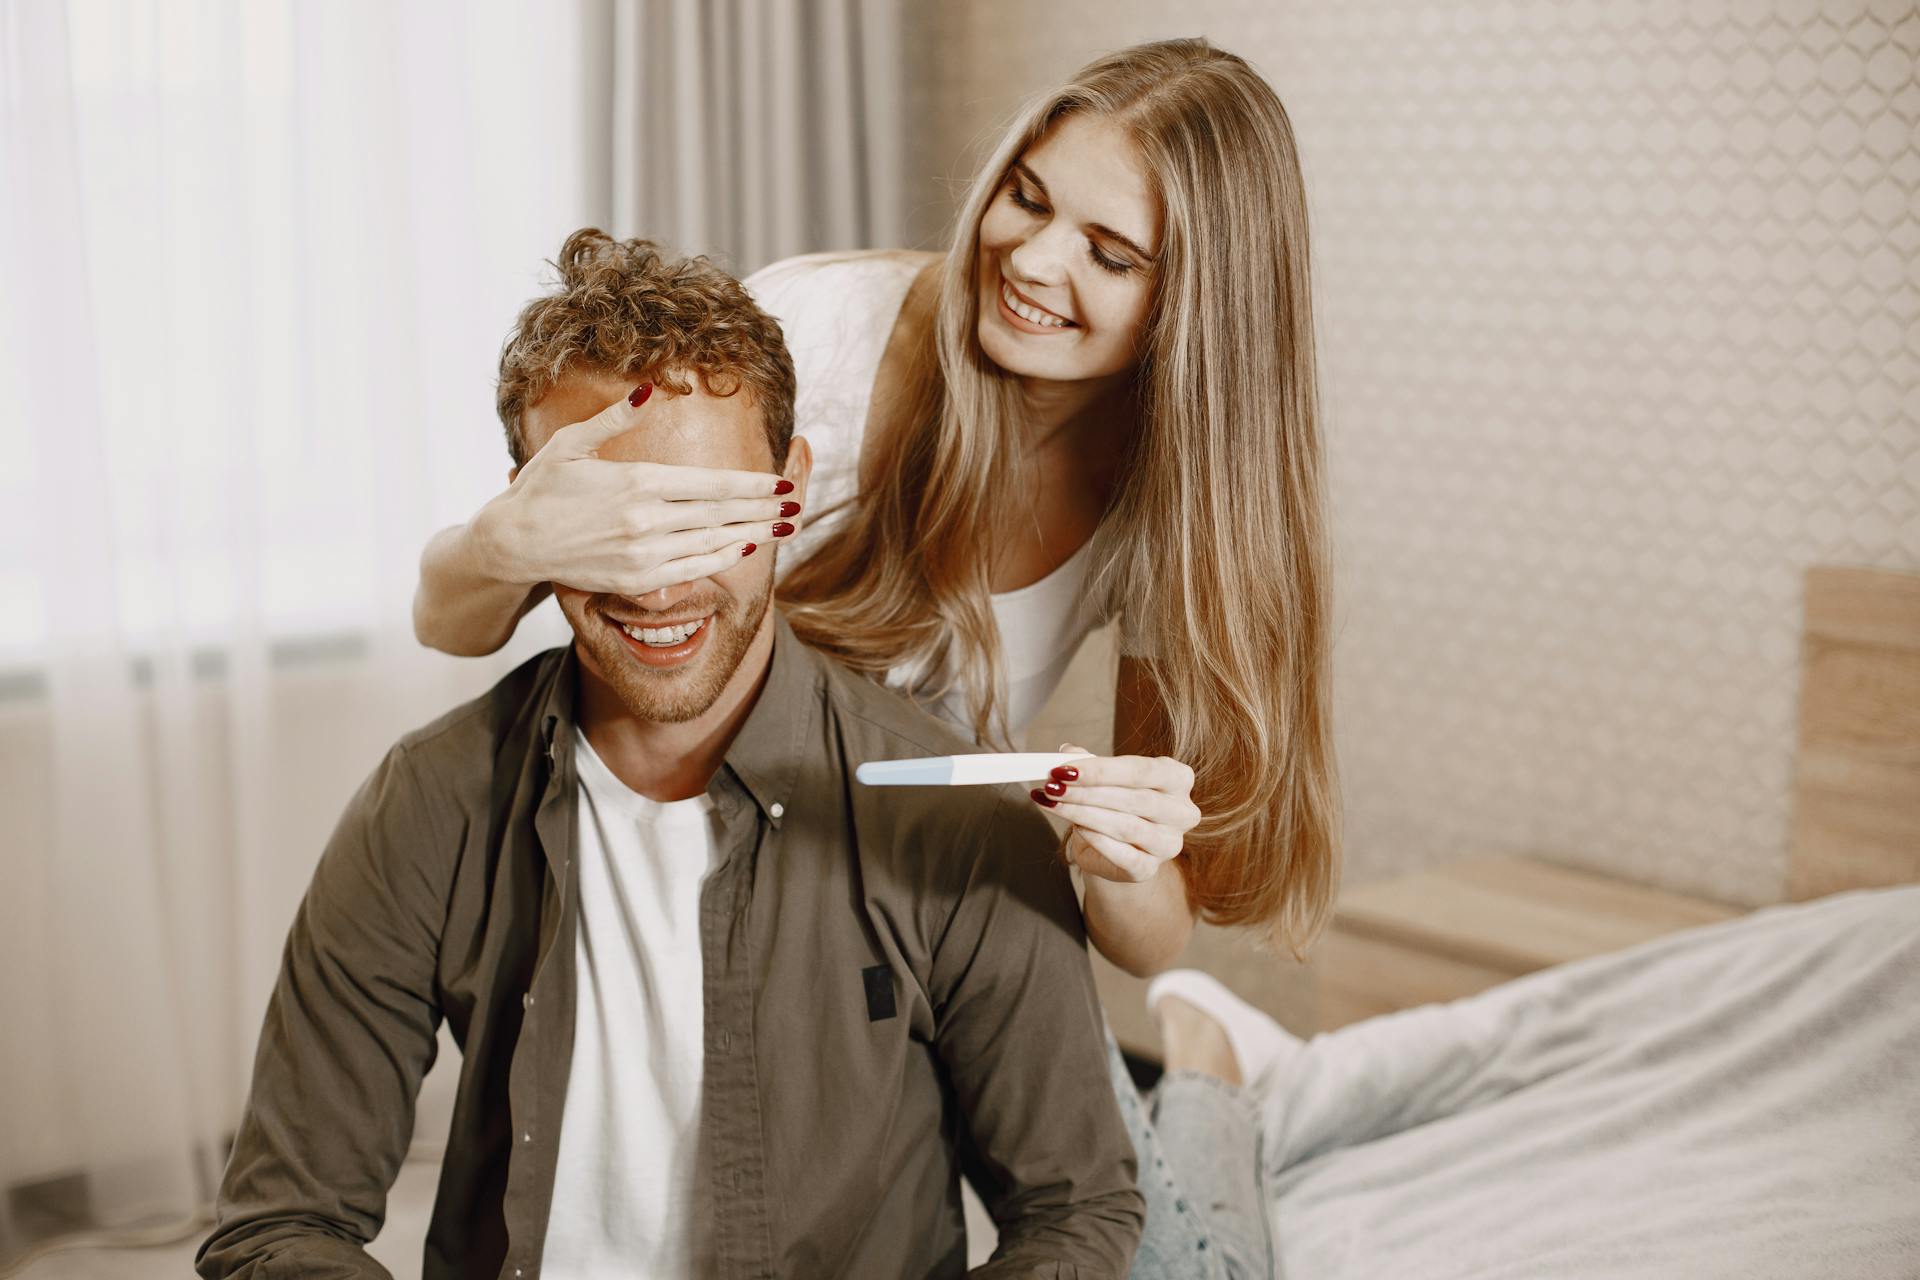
{"x":664,"y":637}
{"x":1028,"y":313}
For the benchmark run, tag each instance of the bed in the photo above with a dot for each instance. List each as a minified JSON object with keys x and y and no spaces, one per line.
{"x":1737,"y":1100}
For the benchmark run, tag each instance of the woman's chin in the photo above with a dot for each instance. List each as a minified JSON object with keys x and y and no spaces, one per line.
{"x":1011,"y":355}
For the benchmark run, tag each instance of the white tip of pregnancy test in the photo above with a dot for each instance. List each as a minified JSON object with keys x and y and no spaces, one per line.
{"x":983,"y":769}
{"x":933,"y":771}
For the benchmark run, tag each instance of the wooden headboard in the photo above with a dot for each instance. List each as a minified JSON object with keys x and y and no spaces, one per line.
{"x":1856,"y":787}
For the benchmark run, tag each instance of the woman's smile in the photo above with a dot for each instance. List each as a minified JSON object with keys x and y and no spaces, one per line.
{"x":1028,"y":316}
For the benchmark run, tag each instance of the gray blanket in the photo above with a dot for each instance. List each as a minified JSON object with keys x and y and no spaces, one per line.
{"x":1741,"y":1100}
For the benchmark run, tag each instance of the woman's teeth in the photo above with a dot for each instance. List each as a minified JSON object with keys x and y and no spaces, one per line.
{"x":1032,"y":315}
{"x":664,"y":637}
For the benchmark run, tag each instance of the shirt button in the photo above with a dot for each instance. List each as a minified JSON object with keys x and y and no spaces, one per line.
{"x":776,"y":809}
{"x":526,"y":999}
{"x":526,"y":1137}
{"x":738,"y":1178}
{"x":726,"y":1040}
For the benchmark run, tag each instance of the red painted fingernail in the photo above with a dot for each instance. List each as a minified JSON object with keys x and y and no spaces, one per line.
{"x":1042,"y":798}
{"x":1067,"y":773}
{"x":639,"y":394}
{"x":1056,"y":788}
{"x":748,"y":549}
{"x":782,"y":486}
{"x":789,"y":508}
{"x":782,"y":529}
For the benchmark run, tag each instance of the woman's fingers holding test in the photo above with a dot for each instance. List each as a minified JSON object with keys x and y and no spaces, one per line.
{"x":1103,"y":856}
{"x":1160,"y":773}
{"x":1150,"y":837}
{"x":1168,"y":810}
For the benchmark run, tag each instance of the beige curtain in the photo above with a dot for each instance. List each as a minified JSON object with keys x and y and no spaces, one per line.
{"x":752,"y":129}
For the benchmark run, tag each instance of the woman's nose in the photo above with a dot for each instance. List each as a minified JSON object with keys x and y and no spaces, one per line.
{"x":1040,"y":259}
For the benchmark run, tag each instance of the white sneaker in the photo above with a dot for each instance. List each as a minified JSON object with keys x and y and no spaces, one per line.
{"x":1260,"y":1045}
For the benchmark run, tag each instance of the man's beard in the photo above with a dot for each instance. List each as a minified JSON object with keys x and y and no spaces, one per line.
{"x":677,"y":694}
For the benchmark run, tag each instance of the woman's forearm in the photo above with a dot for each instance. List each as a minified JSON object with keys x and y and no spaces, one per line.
{"x":1141,"y":927}
{"x":464,"y":604}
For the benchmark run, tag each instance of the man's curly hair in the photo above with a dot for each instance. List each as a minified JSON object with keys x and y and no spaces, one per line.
{"x":625,"y":308}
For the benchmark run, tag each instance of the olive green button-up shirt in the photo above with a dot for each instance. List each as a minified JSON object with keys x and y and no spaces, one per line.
{"x":896,"y":984}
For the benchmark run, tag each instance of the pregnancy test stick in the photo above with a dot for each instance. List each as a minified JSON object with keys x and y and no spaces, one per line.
{"x":964,"y":771}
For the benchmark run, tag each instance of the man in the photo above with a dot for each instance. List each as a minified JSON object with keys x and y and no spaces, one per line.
{"x":722,"y":1011}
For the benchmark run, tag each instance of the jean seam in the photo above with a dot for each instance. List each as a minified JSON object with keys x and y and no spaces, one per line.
{"x":1266,"y":1202}
{"x":1232,"y":1093}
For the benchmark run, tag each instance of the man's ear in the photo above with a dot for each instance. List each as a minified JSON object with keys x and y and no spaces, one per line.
{"x":799,"y":467}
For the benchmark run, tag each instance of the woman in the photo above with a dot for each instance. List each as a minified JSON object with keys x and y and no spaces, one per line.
{"x":1100,"y":403}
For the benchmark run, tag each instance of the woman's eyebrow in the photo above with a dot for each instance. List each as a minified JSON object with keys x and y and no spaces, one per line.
{"x":1128,"y":241}
{"x":1030,"y":175}
{"x":1020,"y":166}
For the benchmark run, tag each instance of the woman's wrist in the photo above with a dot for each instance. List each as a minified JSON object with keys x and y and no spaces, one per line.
{"x":1137,"y":902}
{"x":1141,"y":926}
{"x":487,"y":549}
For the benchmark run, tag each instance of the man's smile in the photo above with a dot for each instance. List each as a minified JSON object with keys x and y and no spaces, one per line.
{"x":664,"y":645}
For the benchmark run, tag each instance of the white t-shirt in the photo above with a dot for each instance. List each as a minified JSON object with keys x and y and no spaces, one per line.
{"x":837,"y":311}
{"x":629,"y":1193}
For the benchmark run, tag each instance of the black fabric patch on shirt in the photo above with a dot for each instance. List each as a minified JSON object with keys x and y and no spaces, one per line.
{"x":879,"y":980}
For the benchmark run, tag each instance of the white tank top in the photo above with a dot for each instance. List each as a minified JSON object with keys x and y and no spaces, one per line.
{"x":837,"y":311}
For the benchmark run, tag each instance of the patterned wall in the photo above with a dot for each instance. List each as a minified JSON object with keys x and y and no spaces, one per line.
{"x":1618,"y":308}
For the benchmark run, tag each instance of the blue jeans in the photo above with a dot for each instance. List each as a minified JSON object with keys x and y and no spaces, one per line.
{"x":1197,"y":1140}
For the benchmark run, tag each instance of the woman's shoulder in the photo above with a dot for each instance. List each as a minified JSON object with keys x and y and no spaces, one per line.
{"x":837,"y":312}
{"x":779,"y":285}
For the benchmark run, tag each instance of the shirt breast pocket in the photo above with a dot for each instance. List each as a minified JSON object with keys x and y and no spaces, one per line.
{"x":878,"y":983}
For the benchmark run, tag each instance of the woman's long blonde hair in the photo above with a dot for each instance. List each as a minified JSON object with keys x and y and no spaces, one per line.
{"x":1215,"y":547}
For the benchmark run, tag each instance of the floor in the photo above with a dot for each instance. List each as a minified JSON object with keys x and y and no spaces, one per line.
{"x":398,"y":1248}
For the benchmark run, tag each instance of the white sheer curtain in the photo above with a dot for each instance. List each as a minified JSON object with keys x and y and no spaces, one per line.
{"x":256,"y":261}
{"x":753,"y":129}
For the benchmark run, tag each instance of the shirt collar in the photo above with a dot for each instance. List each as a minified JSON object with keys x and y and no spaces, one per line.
{"x":557,"y":709}
{"x":766,"y":754}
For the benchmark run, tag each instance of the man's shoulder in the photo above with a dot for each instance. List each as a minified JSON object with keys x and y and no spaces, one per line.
{"x":473,"y":733}
{"x":932,"y":851}
{"x":954,"y":826}
{"x":874,"y":714}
